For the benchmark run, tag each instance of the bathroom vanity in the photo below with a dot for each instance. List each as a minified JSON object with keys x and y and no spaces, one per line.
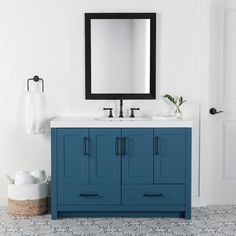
{"x":134,"y":168}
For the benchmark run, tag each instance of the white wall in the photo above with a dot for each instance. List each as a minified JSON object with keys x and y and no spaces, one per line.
{"x":47,"y":38}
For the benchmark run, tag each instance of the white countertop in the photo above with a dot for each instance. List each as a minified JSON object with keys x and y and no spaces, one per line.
{"x":89,"y":122}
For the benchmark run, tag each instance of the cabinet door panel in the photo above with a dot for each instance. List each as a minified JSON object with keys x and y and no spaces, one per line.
{"x":137,"y":159}
{"x":73,"y":161}
{"x":105,"y":159}
{"x":169,"y":155}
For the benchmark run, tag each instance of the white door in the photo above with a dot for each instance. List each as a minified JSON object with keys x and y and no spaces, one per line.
{"x":222,"y":96}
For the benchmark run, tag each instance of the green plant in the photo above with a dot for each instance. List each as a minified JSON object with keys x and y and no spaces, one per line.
{"x":177,"y":102}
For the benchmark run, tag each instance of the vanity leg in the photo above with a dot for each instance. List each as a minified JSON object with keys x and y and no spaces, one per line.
{"x":54,"y":215}
{"x":188,"y":174}
{"x":54,"y":212}
{"x":188,"y":215}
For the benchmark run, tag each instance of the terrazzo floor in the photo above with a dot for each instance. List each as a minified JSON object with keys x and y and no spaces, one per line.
{"x":213,"y":220}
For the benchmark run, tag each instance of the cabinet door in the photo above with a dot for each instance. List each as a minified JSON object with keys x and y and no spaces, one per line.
{"x":105,"y":156}
{"x":137,"y":157}
{"x":169,"y":155}
{"x":73,"y":159}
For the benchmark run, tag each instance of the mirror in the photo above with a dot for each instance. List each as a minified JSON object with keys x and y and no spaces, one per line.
{"x":120,"y":55}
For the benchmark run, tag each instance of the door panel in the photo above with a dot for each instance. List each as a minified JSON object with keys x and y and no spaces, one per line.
{"x":137,"y":158}
{"x":105,"y":159}
{"x":169,"y":155}
{"x":220,"y":144}
{"x":229,"y":150}
{"x":73,"y":160}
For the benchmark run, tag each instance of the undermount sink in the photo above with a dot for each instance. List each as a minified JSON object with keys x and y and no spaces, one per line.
{"x":122,"y":119}
{"x":164,"y":118}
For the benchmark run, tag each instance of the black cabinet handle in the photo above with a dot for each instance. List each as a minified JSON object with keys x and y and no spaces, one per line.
{"x":123,"y":146}
{"x":152,"y":195}
{"x":118,"y":147}
{"x":89,"y":195}
{"x":86,"y":147}
{"x":157,"y":146}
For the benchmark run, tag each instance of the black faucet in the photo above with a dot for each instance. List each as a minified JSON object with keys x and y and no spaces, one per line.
{"x":121,"y":115}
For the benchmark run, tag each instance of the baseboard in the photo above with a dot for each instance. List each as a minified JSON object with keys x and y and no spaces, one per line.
{"x":198,"y":202}
{"x":3,"y":201}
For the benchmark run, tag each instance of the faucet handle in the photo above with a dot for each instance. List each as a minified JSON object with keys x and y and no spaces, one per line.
{"x":110,"y":111}
{"x":132,"y":111}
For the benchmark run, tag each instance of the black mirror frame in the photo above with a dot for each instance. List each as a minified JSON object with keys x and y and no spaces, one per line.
{"x":101,"y":96}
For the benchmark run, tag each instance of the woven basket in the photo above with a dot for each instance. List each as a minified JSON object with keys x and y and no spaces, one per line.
{"x":27,"y":207}
{"x":27,"y":199}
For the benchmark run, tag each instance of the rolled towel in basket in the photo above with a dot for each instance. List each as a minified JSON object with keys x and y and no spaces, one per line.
{"x":35,"y":113}
{"x":39,"y":176}
{"x":23,"y":177}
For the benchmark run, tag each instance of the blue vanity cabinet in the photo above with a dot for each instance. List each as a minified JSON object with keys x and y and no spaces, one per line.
{"x":105,"y":159}
{"x":121,"y":172}
{"x":169,"y":155}
{"x":137,"y":156}
{"x":72,"y":156}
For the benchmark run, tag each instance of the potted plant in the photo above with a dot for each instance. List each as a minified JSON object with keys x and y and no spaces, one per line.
{"x":177,"y":102}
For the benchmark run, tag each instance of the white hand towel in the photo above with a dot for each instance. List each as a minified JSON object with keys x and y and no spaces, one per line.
{"x":23,"y":177}
{"x":35,"y":113}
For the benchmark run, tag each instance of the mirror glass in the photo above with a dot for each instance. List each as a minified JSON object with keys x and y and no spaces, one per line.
{"x":120,"y":51}
{"x":120,"y":55}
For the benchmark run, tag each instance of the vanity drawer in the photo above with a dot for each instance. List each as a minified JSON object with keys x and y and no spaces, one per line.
{"x":89,"y":195}
{"x":153,"y":195}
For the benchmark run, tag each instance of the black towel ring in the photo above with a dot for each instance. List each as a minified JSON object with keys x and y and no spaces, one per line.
{"x":35,"y":79}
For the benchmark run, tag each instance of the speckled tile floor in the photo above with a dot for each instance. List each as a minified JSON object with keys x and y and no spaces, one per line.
{"x":213,"y":220}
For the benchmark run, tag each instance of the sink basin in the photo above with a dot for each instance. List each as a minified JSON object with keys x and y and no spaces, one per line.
{"x":164,"y":118}
{"x":122,"y":119}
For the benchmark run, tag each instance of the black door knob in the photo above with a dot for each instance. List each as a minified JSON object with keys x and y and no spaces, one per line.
{"x":213,"y":111}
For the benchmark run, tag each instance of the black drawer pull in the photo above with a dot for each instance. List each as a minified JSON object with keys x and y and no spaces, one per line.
{"x":89,"y":195}
{"x":152,"y":195}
